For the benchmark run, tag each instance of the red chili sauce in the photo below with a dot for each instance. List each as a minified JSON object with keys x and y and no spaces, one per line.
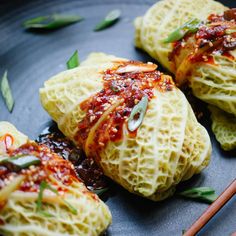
{"x":51,"y":165}
{"x":124,"y":88}
{"x":85,"y":168}
{"x":215,"y":36}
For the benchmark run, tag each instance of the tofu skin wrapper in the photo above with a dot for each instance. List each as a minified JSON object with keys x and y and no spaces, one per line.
{"x":214,"y":83}
{"x":67,"y":207}
{"x":169,"y":146}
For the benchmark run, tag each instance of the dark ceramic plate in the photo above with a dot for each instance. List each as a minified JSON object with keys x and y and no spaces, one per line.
{"x":31,"y":58}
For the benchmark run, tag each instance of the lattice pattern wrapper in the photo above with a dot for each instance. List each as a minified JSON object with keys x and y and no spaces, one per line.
{"x":18,"y":215}
{"x":212,"y":83}
{"x":163,"y":18}
{"x":170,"y":144}
{"x":224,"y":128}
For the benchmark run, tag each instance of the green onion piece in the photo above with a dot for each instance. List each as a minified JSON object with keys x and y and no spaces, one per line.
{"x":72,"y":209}
{"x":100,"y":191}
{"x":191,"y":26}
{"x":73,"y":61}
{"x":206,"y":194}
{"x":51,"y":22}
{"x":44,"y":185}
{"x":137,"y":114}
{"x":114,"y":87}
{"x":18,"y":163}
{"x":6,"y":92}
{"x":109,"y":20}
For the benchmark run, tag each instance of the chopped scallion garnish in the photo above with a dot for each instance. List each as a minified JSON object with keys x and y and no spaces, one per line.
{"x":44,"y":185}
{"x":137,"y":114}
{"x":73,"y":61}
{"x":39,"y":208}
{"x":191,"y":26}
{"x":6,"y":92}
{"x":20,"y":162}
{"x":109,"y":20}
{"x":206,"y":194}
{"x":51,"y":22}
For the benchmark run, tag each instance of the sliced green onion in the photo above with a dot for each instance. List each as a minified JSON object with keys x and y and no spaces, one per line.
{"x":191,"y":26}
{"x":44,"y":185}
{"x":6,"y":92}
{"x":206,"y":194}
{"x":51,"y":22}
{"x":73,"y":61}
{"x":18,"y":163}
{"x":114,"y":87}
{"x":72,"y":209}
{"x":39,"y":208}
{"x":109,"y":20}
{"x":137,"y":114}
{"x":100,"y":191}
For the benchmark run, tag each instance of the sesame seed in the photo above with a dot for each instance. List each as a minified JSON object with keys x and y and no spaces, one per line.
{"x":114,"y":130}
{"x":210,"y":44}
{"x":92,"y":118}
{"x":205,"y":58}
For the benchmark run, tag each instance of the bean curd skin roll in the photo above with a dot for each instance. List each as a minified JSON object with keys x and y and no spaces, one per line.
{"x":164,"y":17}
{"x":132,"y":120}
{"x":206,"y":61}
{"x":198,"y":45}
{"x":40,"y":193}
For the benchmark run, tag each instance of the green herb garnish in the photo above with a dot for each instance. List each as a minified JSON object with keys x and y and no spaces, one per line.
{"x":6,"y":92}
{"x":73,"y":61}
{"x":44,"y":185}
{"x":137,"y":114}
{"x":205,"y":194}
{"x":109,"y":20}
{"x":51,"y":22}
{"x":114,"y":87}
{"x":20,"y":162}
{"x":191,"y":26}
{"x":100,"y":191}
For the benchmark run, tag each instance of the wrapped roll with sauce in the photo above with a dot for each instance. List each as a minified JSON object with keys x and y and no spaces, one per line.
{"x":40,"y":193}
{"x":132,"y":120}
{"x":164,"y":17}
{"x":206,"y":61}
{"x":200,"y":49}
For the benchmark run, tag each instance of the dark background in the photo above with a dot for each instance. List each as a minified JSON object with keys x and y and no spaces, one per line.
{"x":31,"y":58}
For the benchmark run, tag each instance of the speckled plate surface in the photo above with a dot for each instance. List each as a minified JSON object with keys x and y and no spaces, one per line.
{"x":31,"y":58}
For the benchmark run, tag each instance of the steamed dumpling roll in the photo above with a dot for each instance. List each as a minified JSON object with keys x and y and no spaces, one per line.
{"x":131,"y":120}
{"x":206,"y":60}
{"x":196,"y":43}
{"x":224,"y":128}
{"x":40,"y":193}
{"x":165,"y":17}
